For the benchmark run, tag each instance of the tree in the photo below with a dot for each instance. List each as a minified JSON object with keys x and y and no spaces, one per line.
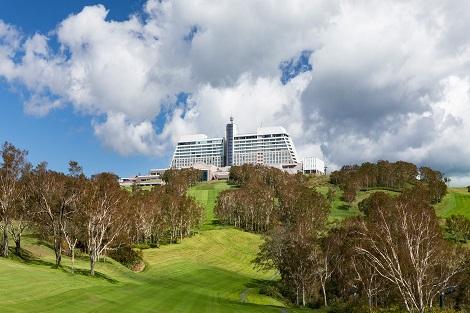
{"x":72,"y":230}
{"x":11,"y":169}
{"x":350,"y":192}
{"x":458,"y":226}
{"x":328,"y":259}
{"x":378,"y":200}
{"x":54,"y":203}
{"x":435,"y":183}
{"x":292,"y":246}
{"x":294,"y":257}
{"x":404,"y":245}
{"x":72,"y":223}
{"x":330,"y":196}
{"x":104,"y":214}
{"x":181,"y":180}
{"x":23,"y":213}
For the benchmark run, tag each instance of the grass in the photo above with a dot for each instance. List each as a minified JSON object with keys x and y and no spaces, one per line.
{"x":456,"y":202}
{"x":340,"y":209}
{"x":209,"y":272}
{"x":206,"y":194}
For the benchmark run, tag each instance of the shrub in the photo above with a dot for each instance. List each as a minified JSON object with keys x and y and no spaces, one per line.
{"x":458,"y":226}
{"x":127,"y":256}
{"x":141,"y":246}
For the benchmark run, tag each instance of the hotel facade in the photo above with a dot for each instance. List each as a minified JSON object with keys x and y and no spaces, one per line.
{"x":271,"y":146}
{"x":267,"y":146}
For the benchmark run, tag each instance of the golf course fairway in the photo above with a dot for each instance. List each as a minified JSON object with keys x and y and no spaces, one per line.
{"x":209,"y":272}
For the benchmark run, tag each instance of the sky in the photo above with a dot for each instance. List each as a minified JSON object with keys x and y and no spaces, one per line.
{"x":114,"y":84}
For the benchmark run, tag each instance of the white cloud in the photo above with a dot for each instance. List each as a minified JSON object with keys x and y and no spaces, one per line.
{"x":127,"y":138}
{"x":390,"y":78}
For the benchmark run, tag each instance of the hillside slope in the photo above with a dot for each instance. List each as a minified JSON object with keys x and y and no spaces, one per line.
{"x":456,"y":202}
{"x":210,"y":272}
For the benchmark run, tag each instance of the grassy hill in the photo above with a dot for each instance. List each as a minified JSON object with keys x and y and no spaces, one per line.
{"x":206,"y":194}
{"x":210,"y":272}
{"x":456,"y":202}
{"x":341,"y":209}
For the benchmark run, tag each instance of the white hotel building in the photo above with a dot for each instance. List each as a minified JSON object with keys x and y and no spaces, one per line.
{"x":268,"y":146}
{"x":198,"y":149}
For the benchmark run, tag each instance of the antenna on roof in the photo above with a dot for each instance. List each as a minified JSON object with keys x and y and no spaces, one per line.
{"x":231,"y":118}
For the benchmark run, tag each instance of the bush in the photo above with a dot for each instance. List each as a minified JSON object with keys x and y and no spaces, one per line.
{"x":141,"y":246}
{"x":128,"y":257}
{"x":271,"y":291}
{"x":458,"y":227}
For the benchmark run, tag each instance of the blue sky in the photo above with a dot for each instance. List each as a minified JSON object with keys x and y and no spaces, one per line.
{"x":63,"y":135}
{"x":114,"y":84}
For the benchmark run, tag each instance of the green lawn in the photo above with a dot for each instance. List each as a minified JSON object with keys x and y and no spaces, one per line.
{"x":210,"y":272}
{"x":206,"y":194}
{"x":456,"y":202}
{"x":341,"y":209}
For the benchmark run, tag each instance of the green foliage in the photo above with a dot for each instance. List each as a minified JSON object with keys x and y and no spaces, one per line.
{"x":142,"y":246}
{"x":130,"y":258}
{"x":458,"y":227}
{"x":360,"y":308}
{"x":205,"y":273}
{"x":377,"y":199}
{"x":394,"y":176}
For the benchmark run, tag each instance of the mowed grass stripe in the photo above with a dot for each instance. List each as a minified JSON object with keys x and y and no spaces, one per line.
{"x":456,"y":202}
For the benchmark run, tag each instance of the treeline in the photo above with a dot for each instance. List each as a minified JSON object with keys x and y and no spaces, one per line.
{"x":389,"y":175}
{"x":394,"y":256}
{"x":166,"y":213}
{"x":92,"y":214}
{"x":264,"y":197}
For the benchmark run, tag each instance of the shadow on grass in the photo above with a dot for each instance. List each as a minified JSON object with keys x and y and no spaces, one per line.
{"x":269,"y":288}
{"x":27,"y":257}
{"x":344,"y":207}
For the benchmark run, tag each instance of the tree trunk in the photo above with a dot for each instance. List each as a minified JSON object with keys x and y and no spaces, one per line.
{"x":73,"y":258}
{"x":57,"y":251}
{"x":18,"y":245}
{"x":5,"y":241}
{"x":297,"y":296}
{"x":303,"y":295}
{"x":92,"y":263}
{"x":324,"y":294}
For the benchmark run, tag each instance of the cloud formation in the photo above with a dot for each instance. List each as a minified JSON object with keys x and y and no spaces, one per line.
{"x":390,"y":79}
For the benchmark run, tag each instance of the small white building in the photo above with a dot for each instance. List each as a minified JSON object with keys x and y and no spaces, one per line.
{"x":313,"y":165}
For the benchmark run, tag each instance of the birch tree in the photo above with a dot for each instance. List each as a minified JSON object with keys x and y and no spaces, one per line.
{"x":23,"y":213}
{"x":404,"y":245}
{"x":11,"y":169}
{"x":72,"y":224}
{"x":53,"y":204}
{"x":104,"y":215}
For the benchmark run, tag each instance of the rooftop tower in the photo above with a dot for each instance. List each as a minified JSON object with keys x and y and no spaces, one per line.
{"x":230,"y":132}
